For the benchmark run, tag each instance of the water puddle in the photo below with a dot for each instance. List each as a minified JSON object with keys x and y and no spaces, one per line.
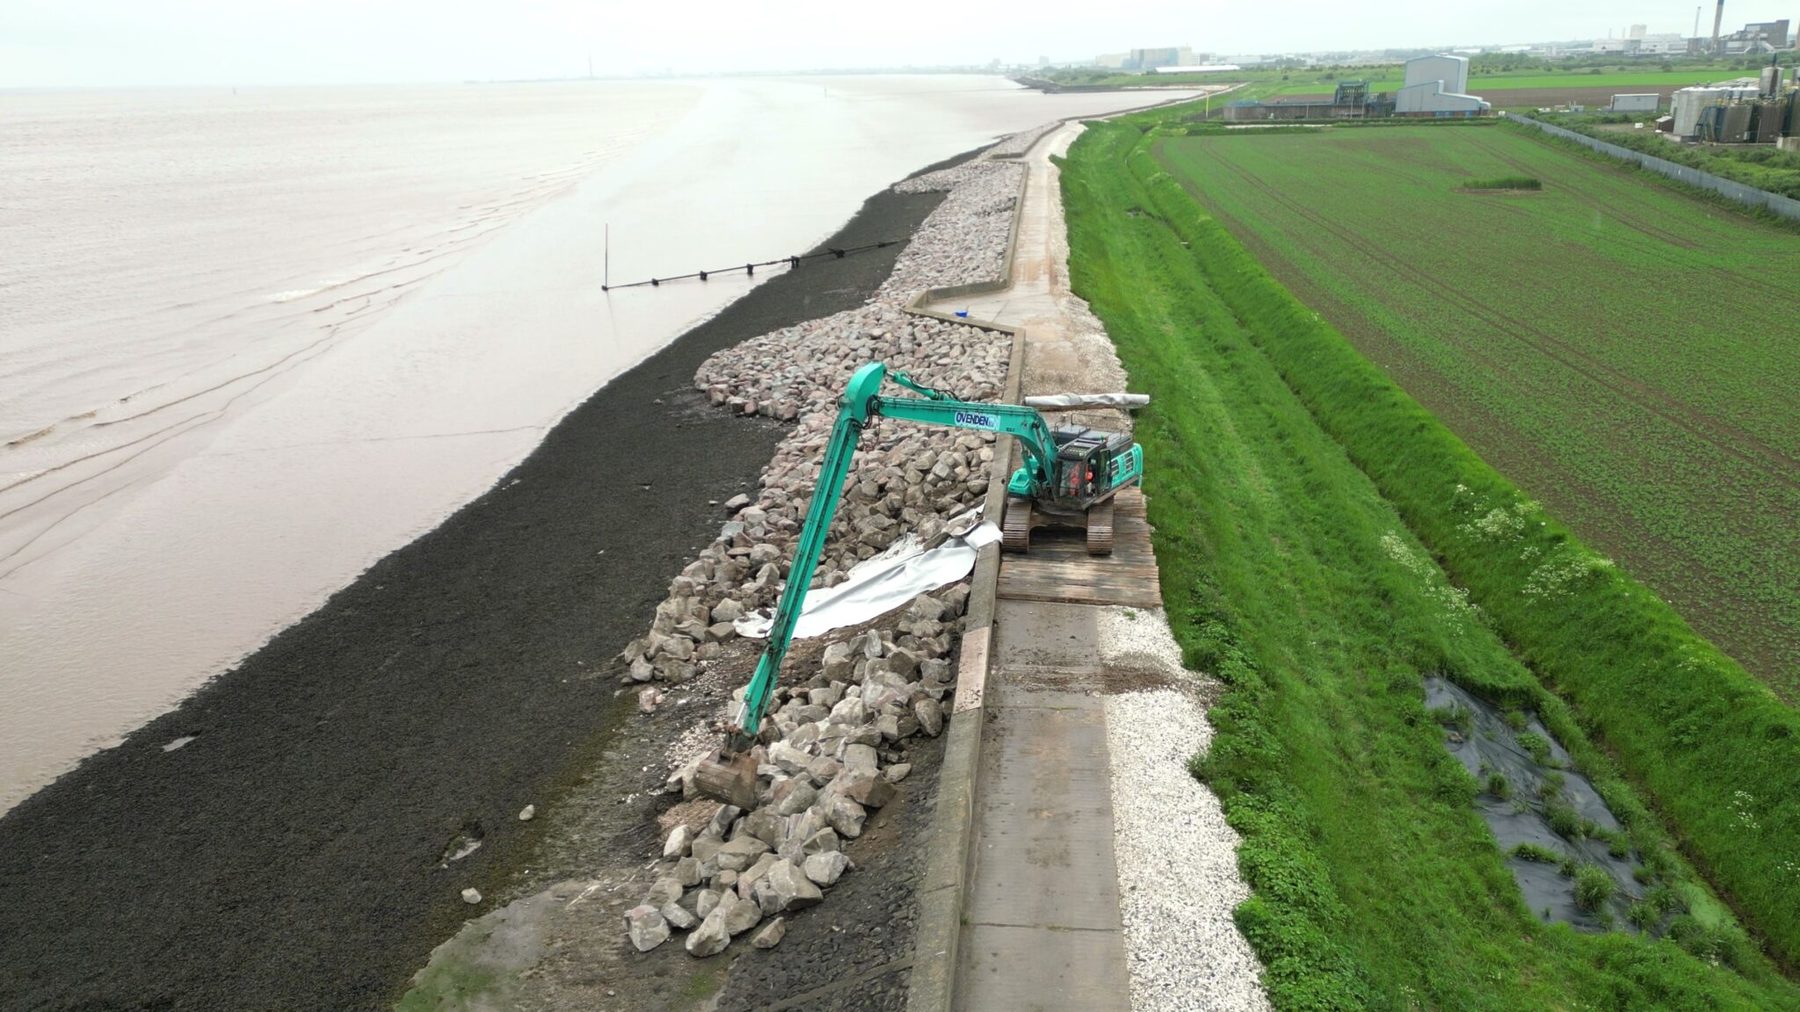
{"x":1566,"y":850}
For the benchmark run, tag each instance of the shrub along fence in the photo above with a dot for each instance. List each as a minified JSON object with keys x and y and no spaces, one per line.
{"x":1787,"y":207}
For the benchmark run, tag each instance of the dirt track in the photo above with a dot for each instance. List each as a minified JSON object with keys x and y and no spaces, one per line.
{"x":293,"y":854}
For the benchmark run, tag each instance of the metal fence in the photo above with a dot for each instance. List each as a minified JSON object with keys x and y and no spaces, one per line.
{"x":1787,"y":207}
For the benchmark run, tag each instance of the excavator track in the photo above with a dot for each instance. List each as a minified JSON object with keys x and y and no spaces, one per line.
{"x":1100,"y":528}
{"x":1015,"y":528}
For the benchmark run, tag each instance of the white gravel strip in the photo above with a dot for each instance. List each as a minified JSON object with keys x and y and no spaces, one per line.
{"x":1177,"y":858}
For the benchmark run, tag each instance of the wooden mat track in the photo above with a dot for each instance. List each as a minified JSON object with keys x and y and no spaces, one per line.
{"x":1058,"y":567}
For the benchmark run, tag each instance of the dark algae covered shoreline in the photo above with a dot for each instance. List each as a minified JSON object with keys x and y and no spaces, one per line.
{"x":297,"y":851}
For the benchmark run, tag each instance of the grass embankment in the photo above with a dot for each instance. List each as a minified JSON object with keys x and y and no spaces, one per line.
{"x":1289,"y":574}
{"x":1572,"y":339}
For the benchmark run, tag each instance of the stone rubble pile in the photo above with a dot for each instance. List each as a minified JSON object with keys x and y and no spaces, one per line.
{"x":972,"y":229}
{"x":835,"y":738}
{"x":1015,"y":145}
{"x":904,"y":477}
{"x":836,"y":751}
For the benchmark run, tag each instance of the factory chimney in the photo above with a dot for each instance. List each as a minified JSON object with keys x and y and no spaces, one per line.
{"x":1718,"y":19}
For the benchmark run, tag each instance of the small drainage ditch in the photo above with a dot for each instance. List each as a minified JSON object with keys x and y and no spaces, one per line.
{"x":1568,"y":853}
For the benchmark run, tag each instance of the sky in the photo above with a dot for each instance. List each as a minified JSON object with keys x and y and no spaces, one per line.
{"x":112,"y":43}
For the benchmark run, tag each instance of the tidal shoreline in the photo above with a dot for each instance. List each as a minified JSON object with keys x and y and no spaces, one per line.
{"x":292,"y":853}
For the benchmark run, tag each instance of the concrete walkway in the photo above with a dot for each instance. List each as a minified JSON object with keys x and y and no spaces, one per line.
{"x":1042,"y":917}
{"x":1042,"y":921}
{"x":1043,"y":911}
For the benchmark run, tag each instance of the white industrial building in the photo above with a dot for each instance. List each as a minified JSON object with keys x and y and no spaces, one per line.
{"x":1437,"y":86}
{"x":1687,"y":104}
{"x":1647,"y":102}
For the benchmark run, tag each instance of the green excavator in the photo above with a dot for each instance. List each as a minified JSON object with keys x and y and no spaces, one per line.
{"x":1067,"y":479}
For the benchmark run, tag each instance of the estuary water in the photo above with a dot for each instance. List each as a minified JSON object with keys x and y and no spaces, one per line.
{"x":252,"y":341}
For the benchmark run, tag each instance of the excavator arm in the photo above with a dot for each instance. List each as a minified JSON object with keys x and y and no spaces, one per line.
{"x":729,"y":775}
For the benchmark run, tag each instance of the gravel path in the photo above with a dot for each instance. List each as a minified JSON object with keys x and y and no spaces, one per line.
{"x":1177,"y":858}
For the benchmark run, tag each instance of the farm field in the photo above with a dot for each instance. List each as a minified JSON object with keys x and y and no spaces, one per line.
{"x":1306,"y":574}
{"x":1621,"y":351}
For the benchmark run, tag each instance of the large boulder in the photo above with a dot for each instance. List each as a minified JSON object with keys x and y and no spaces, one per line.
{"x":826,"y":868}
{"x":740,"y":914}
{"x":740,"y":852}
{"x":868,"y":789}
{"x":646,"y":927}
{"x":930,"y":715}
{"x":678,"y":916}
{"x":711,"y":937}
{"x":785,"y":887}
{"x":845,"y":816}
{"x":772,"y":935}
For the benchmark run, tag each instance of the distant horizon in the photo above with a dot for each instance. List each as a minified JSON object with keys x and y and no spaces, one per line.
{"x":204,"y":44}
{"x":1005,"y":71}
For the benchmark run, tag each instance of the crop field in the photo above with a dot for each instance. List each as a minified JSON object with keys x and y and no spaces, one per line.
{"x":1623,"y":352}
{"x":1325,"y":544}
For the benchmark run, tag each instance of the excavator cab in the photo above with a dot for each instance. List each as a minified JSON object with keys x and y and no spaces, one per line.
{"x":1088,"y":467}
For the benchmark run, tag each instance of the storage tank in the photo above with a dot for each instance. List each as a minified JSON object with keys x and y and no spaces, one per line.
{"x":1770,"y":80}
{"x":1737,"y":124}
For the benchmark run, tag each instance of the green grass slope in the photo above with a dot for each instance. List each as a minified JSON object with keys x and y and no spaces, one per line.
{"x":1289,"y":572}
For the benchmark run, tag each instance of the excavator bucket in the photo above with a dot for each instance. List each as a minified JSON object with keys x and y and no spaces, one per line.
{"x":728,"y":778}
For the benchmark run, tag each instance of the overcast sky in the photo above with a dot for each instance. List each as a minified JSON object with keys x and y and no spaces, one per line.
{"x":164,"y":42}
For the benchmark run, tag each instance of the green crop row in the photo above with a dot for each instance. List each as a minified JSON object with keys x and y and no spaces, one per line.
{"x":1505,"y":183}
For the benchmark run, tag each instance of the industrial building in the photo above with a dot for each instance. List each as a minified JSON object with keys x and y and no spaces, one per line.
{"x":1149,"y":59}
{"x":1635,"y":103}
{"x":1434,"y":86}
{"x":1437,"y":86}
{"x":1352,"y":100}
{"x":1688,"y":106}
{"x":1760,"y":110}
{"x":1755,"y":37}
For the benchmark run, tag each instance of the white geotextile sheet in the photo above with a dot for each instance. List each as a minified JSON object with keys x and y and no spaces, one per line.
{"x":880,"y":584}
